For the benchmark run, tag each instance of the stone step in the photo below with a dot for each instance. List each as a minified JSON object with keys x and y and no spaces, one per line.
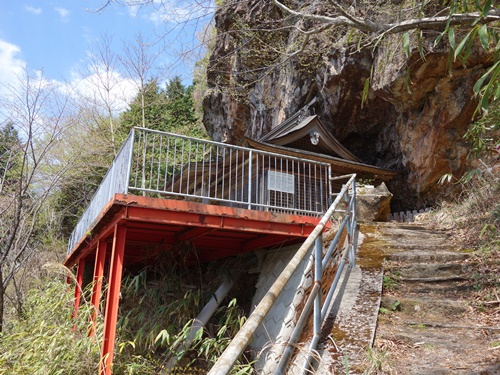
{"x":417,"y":237}
{"x":425,"y":307}
{"x":430,"y":255}
{"x":434,"y":266}
{"x":412,"y":245}
{"x":428,"y":270}
{"x":439,"y":290}
{"x":411,"y":230}
{"x":427,"y":326}
{"x":444,"y":348}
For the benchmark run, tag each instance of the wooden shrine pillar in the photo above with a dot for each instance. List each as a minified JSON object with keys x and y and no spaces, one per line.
{"x":100,"y":259}
{"x":113,"y":299}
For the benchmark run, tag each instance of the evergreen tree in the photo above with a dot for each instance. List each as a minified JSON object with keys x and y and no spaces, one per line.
{"x":170,"y":109}
{"x":180,"y":106}
{"x":155,"y":116}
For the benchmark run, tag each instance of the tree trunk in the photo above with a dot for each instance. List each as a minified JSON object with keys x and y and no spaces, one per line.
{"x":2,"y":295}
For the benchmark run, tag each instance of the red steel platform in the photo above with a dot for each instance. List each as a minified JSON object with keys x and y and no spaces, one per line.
{"x":131,"y":231}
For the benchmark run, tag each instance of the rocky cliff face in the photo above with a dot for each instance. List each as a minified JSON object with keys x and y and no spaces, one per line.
{"x":413,"y":119}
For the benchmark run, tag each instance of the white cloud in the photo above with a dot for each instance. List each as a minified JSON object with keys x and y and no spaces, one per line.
{"x":93,"y":87}
{"x":11,"y":66}
{"x":63,"y":13}
{"x":133,"y":10}
{"x":33,"y":10}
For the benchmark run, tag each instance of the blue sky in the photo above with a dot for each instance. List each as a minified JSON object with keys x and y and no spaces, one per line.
{"x":56,"y":35}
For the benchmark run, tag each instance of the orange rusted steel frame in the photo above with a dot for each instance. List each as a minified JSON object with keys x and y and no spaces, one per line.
{"x":112,"y":300}
{"x":100,"y":258}
{"x":190,"y":214}
{"x":137,"y":209}
{"x":78,"y":286}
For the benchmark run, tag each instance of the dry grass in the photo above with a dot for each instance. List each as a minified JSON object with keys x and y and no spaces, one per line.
{"x":473,"y":220}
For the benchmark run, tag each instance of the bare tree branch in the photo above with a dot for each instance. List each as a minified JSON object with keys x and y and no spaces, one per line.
{"x":424,"y":23}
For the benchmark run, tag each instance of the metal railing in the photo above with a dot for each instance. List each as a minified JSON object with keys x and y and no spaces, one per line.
{"x":114,"y":182}
{"x":167,"y":165}
{"x":345,"y":241}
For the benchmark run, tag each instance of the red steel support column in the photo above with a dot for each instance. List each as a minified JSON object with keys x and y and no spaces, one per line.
{"x":112,"y":300}
{"x":100,"y":258}
{"x":78,"y":286}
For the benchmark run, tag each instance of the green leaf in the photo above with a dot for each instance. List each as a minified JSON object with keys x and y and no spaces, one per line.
{"x":163,"y":336}
{"x":421,"y":46}
{"x":366,"y":90}
{"x":470,"y":175}
{"x":438,"y":39}
{"x":479,"y":84}
{"x":486,"y":9}
{"x":451,"y":37}
{"x":468,"y":50}
{"x":199,"y":334}
{"x":483,"y":37}
{"x":497,"y":92}
{"x":406,"y":43}
{"x":461,"y":45}
{"x":408,"y":81}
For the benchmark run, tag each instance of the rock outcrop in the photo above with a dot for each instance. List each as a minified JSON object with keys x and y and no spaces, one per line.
{"x":413,"y":117}
{"x":373,"y":203}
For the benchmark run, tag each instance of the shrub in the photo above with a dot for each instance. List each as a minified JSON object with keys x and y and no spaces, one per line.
{"x":45,"y":341}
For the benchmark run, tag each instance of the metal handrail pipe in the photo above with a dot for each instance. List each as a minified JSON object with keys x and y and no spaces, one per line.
{"x":343,"y":177}
{"x":297,"y":331}
{"x":308,"y":359}
{"x":336,"y":279}
{"x":334,"y":242}
{"x":110,"y":185}
{"x":318,"y":317}
{"x":318,"y":275}
{"x":234,"y":147}
{"x":242,"y":338}
{"x":309,"y":303}
{"x":347,"y":253}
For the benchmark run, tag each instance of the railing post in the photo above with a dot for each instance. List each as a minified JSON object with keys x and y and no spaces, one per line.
{"x":250,"y":156}
{"x":330,"y":184}
{"x":318,"y":275}
{"x":144,"y":154}
{"x":130,"y":157}
{"x":353,"y":224}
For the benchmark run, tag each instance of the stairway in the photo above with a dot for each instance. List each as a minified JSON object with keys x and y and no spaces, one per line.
{"x":426,"y":323}
{"x":407,"y":294}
